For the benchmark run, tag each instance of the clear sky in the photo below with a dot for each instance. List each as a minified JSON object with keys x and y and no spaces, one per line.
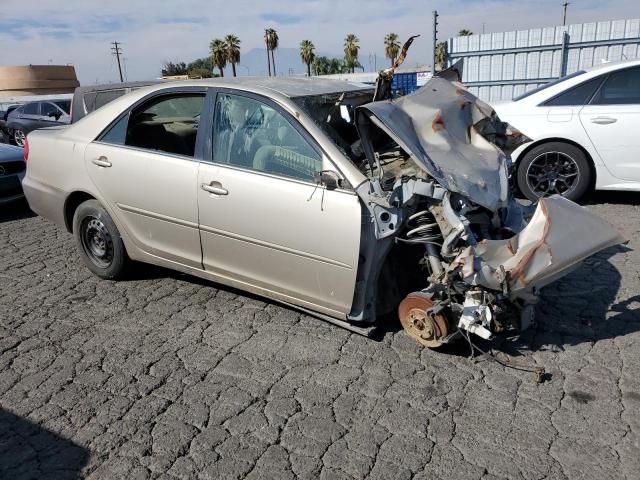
{"x":152,"y":31}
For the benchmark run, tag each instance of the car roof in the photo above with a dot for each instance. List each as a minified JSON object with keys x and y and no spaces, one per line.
{"x":609,"y":66}
{"x":291,"y":87}
{"x":116,"y":86}
{"x":565,"y":83}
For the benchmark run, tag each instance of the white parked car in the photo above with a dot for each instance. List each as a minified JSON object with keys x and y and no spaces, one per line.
{"x":584,"y":129}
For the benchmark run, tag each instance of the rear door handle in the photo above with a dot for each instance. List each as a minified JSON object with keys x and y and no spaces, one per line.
{"x":215,"y":188}
{"x":604,"y":120}
{"x":101,"y":162}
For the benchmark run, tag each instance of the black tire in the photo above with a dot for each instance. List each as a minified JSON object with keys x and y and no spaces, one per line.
{"x":554,"y":168}
{"x":99,"y":241}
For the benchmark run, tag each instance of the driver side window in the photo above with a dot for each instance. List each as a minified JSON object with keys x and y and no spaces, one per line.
{"x":250,"y":134}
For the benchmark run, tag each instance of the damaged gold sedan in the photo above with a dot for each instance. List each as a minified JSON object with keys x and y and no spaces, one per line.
{"x":324,"y":195}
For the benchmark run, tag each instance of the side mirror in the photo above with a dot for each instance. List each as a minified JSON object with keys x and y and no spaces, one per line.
{"x":55,"y":115}
{"x":328,"y":179}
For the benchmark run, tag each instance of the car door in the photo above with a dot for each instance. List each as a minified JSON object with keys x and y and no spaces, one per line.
{"x":264,"y":221}
{"x":611,"y":121}
{"x":29,"y":117}
{"x":145,"y":169}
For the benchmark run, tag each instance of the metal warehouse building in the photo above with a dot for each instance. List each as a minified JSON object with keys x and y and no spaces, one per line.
{"x":499,"y":66}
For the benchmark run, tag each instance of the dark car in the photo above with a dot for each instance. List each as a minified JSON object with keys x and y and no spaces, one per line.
{"x":5,"y":110}
{"x":88,"y":99}
{"x":34,"y":115}
{"x":12,"y":170}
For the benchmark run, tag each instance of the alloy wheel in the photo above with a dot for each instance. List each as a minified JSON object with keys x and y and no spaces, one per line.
{"x":19,"y":137}
{"x":552,"y":173}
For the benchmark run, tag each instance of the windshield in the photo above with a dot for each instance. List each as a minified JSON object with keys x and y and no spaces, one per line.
{"x":547,"y":85}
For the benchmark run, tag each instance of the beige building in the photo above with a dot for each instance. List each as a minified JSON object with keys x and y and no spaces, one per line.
{"x":37,"y":80}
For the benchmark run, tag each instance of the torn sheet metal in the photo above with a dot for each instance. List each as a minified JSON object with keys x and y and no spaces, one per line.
{"x":449,"y":133}
{"x":543,"y":251}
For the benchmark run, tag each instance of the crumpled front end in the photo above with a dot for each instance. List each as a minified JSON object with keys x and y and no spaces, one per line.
{"x":492,"y":285}
{"x":439,"y":194}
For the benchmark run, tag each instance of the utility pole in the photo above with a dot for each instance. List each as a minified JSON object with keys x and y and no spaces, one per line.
{"x":435,"y":41}
{"x":564,"y":17}
{"x":117,"y":51}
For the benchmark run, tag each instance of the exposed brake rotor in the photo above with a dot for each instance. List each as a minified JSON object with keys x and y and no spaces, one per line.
{"x":417,"y":318}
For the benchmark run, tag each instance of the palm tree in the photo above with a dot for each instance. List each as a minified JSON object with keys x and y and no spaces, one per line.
{"x":232,"y":47}
{"x":267,"y":40}
{"x":306,"y":54}
{"x":271,"y":39}
{"x":321,"y":66}
{"x":338,"y":66}
{"x":391,"y":46}
{"x":350,"y":66}
{"x":441,"y":55}
{"x":465,"y":33}
{"x":219,"y":54}
{"x":351,"y":48}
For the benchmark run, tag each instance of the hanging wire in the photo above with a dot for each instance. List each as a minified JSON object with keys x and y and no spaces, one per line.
{"x":539,"y":372}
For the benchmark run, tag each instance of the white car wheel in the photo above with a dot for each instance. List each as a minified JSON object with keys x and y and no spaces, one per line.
{"x":554,"y":169}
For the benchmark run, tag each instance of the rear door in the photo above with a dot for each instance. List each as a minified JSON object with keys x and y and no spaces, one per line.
{"x":264,"y":222}
{"x":611,"y":121}
{"x":146,"y":169}
{"x":29,"y":118}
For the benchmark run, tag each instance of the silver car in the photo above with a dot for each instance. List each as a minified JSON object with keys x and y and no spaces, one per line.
{"x":307,"y":192}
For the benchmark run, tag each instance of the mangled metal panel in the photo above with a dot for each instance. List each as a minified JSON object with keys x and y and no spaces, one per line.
{"x":443,"y":126}
{"x":542,"y":252}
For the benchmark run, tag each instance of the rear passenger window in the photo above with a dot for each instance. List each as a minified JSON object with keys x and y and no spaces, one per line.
{"x":576,"y":96}
{"x":31,"y":109}
{"x":117,"y":134}
{"x":251,"y":134}
{"x":621,"y":88}
{"x":167,"y":124}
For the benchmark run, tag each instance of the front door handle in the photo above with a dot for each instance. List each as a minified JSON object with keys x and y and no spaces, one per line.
{"x":101,"y":162}
{"x":604,"y":120}
{"x":215,"y":188}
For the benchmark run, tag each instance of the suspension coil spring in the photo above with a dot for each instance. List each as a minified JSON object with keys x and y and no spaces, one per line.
{"x":423,"y":228}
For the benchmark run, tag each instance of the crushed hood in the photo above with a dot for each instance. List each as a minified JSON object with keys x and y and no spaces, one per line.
{"x":450,"y":133}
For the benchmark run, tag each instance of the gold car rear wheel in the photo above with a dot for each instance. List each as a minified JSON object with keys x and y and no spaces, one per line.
{"x":99,"y":241}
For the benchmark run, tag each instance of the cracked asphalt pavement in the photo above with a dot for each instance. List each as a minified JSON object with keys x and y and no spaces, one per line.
{"x":169,"y":376}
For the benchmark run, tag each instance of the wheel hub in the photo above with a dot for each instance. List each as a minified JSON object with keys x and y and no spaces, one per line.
{"x":97,"y":242}
{"x":420,"y":322}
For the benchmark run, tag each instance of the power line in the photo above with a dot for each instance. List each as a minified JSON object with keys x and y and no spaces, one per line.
{"x":117,"y":51}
